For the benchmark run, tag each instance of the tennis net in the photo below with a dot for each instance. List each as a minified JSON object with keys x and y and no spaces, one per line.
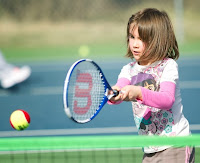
{"x":90,"y":149}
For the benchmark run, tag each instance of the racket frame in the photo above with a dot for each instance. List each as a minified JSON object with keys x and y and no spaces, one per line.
{"x":106,"y":97}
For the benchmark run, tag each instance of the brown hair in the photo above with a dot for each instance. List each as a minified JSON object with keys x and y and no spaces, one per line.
{"x":156,"y":31}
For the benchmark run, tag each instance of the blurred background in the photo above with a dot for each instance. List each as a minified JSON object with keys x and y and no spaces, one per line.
{"x":35,"y":30}
{"x":49,"y":35}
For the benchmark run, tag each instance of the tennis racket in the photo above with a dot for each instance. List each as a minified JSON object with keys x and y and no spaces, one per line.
{"x":85,"y":91}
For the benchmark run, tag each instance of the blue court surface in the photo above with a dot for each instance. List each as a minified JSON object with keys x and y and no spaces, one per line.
{"x":41,"y":97}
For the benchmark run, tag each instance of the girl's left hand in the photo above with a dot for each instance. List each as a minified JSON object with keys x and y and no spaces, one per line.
{"x":131,"y":93}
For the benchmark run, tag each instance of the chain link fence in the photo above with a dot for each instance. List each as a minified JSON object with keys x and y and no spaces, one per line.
{"x":47,"y":23}
{"x":62,"y":10}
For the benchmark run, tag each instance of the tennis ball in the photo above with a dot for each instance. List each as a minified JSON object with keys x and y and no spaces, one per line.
{"x":84,"y":51}
{"x":20,"y":119}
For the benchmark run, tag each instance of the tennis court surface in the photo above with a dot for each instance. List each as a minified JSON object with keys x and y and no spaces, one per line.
{"x":51,"y":134}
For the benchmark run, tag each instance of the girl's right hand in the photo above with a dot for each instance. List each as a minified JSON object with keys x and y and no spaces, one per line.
{"x":116,"y":98}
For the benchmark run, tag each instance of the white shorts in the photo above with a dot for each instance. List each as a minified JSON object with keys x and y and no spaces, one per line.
{"x":171,"y":155}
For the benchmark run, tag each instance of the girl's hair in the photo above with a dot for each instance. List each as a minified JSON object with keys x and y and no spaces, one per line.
{"x":156,"y":31}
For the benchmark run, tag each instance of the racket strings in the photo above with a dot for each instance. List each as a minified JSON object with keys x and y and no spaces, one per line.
{"x":86,"y":91}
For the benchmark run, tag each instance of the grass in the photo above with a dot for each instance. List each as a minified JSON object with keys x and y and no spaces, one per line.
{"x":103,"y":32}
{"x":61,"y":41}
{"x":46,"y":41}
{"x":102,"y":50}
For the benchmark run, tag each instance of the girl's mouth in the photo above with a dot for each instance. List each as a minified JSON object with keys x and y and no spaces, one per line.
{"x":136,"y":52}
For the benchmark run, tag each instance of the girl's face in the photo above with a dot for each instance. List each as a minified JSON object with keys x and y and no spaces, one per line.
{"x":136,"y":45}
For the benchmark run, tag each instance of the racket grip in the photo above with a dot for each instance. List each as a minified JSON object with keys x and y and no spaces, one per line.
{"x":115,"y":92}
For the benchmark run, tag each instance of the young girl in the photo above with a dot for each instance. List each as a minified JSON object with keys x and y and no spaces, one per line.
{"x":151,"y":84}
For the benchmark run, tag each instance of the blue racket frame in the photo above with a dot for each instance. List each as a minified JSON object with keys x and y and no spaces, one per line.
{"x":106,"y":97}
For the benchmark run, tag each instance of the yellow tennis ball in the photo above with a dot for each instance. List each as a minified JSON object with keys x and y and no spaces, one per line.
{"x":20,"y":119}
{"x":84,"y":51}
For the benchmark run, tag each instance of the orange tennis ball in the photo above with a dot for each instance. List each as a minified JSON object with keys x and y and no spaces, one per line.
{"x":20,"y":119}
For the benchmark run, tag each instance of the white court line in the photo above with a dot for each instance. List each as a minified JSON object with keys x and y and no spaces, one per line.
{"x":82,"y":131}
{"x":67,"y":150}
{"x":58,"y":90}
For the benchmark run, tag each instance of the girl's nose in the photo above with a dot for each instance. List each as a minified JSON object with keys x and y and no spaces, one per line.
{"x":135,"y":44}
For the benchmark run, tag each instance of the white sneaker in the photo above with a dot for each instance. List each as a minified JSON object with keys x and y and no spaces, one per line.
{"x":14,"y":75}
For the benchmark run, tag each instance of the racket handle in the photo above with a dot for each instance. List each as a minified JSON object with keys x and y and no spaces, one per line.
{"x":115,"y":92}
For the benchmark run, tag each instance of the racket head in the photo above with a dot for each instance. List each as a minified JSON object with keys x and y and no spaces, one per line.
{"x":85,"y":91}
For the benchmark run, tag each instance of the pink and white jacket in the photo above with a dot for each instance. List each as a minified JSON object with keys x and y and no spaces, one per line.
{"x":160,"y":111}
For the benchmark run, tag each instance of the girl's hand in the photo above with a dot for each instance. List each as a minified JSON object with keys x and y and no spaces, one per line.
{"x":131,"y":93}
{"x":118,"y":97}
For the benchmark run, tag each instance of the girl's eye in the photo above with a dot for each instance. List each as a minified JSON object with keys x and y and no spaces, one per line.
{"x":131,"y":36}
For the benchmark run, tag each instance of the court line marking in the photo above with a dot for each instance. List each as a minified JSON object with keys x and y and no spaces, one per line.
{"x":67,"y":150}
{"x":58,"y":90}
{"x":80,"y":131}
